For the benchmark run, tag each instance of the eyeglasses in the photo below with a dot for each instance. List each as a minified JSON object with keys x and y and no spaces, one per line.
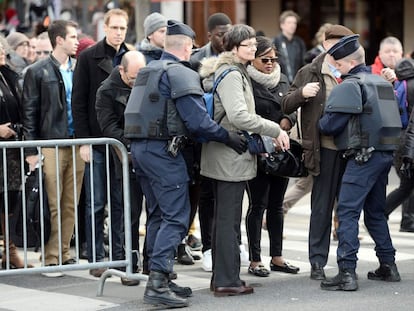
{"x":266,"y":60}
{"x":250,"y":45}
{"x":42,"y":52}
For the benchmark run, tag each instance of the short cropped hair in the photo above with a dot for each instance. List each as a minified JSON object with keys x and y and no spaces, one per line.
{"x":391,"y":41}
{"x":236,"y":35}
{"x":59,"y":28}
{"x":113,"y":12}
{"x":288,"y":13}
{"x":217,"y":19}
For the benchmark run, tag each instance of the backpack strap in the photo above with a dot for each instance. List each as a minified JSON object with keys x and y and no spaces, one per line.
{"x":217,"y":82}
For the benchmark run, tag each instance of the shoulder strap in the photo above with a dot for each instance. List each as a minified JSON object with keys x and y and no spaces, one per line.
{"x":221,"y":77}
{"x":217,"y":82}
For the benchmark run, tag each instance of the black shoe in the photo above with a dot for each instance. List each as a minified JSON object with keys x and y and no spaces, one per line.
{"x":317,"y":272}
{"x":385,"y":272}
{"x":158,"y":292}
{"x":180,"y":290}
{"x":172,"y":276}
{"x":406,"y":229}
{"x":71,"y":261}
{"x":194,"y":243}
{"x":286,"y":268}
{"x":259,"y":270}
{"x":184,"y":256}
{"x":345,"y":280}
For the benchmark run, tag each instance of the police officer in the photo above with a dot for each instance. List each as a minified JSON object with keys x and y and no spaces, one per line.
{"x":366,"y":126}
{"x":165,"y":107}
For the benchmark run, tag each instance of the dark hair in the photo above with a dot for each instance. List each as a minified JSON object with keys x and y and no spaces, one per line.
{"x":217,"y":19}
{"x":264,"y":45}
{"x":236,"y":35}
{"x":59,"y":28}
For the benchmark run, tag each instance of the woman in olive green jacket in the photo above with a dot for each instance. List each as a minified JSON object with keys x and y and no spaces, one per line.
{"x":235,"y":111}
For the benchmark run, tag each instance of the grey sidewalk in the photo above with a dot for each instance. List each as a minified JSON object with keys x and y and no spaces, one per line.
{"x":77,"y":290}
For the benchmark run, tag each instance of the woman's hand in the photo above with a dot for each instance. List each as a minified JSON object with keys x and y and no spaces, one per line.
{"x":282,"y":141}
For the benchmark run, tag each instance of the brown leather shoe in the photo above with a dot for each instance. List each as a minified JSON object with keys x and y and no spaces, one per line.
{"x":212,"y":286}
{"x":232,"y":291}
{"x":129,"y":282}
{"x":97,"y":272}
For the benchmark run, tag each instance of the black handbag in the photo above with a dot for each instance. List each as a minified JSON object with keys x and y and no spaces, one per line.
{"x":287,"y":163}
{"x":33,"y":214}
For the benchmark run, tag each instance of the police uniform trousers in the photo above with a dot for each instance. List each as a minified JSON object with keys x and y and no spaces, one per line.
{"x":164,"y":181}
{"x":324,"y":192}
{"x":364,"y":188}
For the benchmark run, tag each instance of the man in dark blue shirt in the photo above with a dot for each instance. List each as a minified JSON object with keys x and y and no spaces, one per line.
{"x":366,"y":127}
{"x":161,"y":168}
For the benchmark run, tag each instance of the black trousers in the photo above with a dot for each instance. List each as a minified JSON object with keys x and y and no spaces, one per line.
{"x":226,"y":233}
{"x":206,"y":211}
{"x":325,"y":190}
{"x":266,"y":193}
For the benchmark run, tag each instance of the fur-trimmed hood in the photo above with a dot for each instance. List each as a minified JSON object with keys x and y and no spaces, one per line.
{"x":210,"y":65}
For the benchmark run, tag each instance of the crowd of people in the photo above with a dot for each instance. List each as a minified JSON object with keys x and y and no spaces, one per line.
{"x":59,"y":85}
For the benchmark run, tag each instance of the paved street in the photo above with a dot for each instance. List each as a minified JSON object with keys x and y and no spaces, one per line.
{"x":77,"y":290}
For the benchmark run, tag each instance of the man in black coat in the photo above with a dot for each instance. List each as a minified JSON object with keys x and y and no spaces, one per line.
{"x":111,"y":100}
{"x":94,"y":65}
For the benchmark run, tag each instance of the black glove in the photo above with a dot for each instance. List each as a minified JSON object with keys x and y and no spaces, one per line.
{"x":406,"y":168}
{"x":237,"y":142}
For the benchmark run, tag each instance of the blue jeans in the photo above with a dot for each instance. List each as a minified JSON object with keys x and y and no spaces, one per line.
{"x":97,"y":208}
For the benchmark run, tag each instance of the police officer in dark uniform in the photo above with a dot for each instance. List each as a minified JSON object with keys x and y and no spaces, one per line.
{"x":164,"y":109}
{"x":362,"y":115}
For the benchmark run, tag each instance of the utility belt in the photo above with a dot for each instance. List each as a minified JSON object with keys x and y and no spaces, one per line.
{"x":360,"y":156}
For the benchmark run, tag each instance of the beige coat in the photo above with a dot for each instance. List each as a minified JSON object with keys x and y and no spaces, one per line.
{"x":235,"y":99}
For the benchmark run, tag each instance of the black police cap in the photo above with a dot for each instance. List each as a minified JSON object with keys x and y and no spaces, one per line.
{"x":177,"y":28}
{"x":344,"y":47}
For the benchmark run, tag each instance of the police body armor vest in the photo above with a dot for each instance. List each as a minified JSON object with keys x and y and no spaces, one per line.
{"x":149,"y":114}
{"x":376,"y":119}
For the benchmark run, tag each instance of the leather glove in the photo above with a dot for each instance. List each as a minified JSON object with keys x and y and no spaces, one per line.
{"x":406,"y":168}
{"x":237,"y":142}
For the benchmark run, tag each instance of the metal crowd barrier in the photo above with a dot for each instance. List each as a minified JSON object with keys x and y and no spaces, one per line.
{"x":110,"y":263}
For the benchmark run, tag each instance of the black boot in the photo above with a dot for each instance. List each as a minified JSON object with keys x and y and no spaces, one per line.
{"x":180,"y":290}
{"x":407,"y":215}
{"x":345,"y":280}
{"x":184,"y":256}
{"x":385,"y":272}
{"x":158,"y":292}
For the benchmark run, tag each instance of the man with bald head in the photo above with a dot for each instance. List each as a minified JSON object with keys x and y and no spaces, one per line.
{"x":111,"y":100}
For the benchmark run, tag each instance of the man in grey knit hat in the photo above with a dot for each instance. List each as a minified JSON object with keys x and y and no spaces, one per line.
{"x":155,"y":28}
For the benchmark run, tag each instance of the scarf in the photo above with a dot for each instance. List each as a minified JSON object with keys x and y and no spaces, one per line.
{"x":268,"y":80}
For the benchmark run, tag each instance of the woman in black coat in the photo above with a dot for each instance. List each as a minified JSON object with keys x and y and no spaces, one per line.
{"x":266,"y":191}
{"x":10,"y":129}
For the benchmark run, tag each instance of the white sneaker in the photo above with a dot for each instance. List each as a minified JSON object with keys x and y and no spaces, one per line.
{"x":244,"y":256}
{"x":207,"y":261}
{"x":56,"y":274}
